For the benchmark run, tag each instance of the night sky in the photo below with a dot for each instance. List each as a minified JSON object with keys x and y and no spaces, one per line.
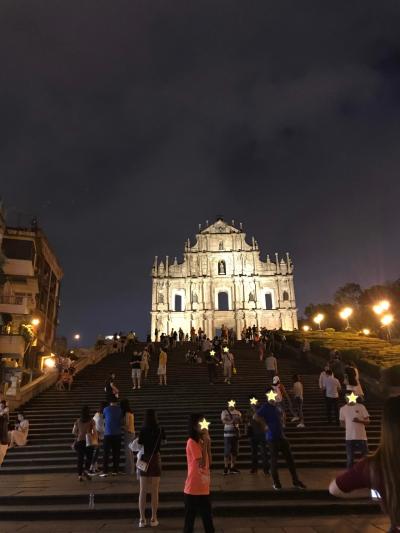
{"x":124,"y":124}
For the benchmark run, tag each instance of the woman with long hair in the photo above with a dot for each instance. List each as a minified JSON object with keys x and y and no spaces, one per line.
{"x":378,"y":475}
{"x":98,"y":419}
{"x":19,"y":435}
{"x":197,"y":485}
{"x":151,"y":437}
{"x":85,"y":435}
{"x":128,"y":426}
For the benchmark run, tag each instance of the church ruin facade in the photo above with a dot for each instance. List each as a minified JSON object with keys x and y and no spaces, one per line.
{"x":222,"y":281}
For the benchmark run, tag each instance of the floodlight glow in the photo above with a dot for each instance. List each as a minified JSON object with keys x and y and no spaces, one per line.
{"x":386,"y":320}
{"x":346,"y":313}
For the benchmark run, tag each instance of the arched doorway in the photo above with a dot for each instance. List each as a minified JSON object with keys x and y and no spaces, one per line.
{"x":223,"y":301}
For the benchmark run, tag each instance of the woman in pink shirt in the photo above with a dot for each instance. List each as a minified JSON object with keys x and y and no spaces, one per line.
{"x":197,"y":485}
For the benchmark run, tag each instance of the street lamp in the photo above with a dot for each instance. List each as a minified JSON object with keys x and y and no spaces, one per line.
{"x":386,"y":321}
{"x":35,"y":322}
{"x":77,"y":338}
{"x":366,"y":331}
{"x":306,"y":328}
{"x":381,"y":307}
{"x":318,"y":319}
{"x":345,"y":314}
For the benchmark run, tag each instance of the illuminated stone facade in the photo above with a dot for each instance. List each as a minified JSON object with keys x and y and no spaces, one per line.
{"x":222,"y":280}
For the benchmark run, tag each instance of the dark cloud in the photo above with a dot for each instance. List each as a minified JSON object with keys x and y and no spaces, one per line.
{"x":125,"y":124}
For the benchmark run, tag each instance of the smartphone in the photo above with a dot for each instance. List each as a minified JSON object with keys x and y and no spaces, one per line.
{"x":375,"y":495}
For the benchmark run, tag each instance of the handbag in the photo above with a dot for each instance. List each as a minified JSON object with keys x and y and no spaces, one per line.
{"x":134,"y":446}
{"x":143,"y":465}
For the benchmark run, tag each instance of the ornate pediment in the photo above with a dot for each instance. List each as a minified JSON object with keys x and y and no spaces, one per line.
{"x":220,"y":227}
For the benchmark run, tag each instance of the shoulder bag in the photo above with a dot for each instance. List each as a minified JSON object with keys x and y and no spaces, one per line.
{"x":143,"y":465}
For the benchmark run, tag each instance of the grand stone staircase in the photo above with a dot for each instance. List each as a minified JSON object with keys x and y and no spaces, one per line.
{"x":51,"y":416}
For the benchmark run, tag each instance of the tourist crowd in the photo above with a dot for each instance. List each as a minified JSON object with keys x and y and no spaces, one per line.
{"x":100,"y":436}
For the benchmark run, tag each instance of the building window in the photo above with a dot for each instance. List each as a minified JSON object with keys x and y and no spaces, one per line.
{"x":223,"y":301}
{"x":195,"y":298}
{"x":221,"y":245}
{"x":285,"y":296}
{"x":221,"y":267}
{"x":268,"y":301}
{"x":178,"y":302}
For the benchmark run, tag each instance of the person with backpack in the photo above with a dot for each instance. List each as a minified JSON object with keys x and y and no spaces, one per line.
{"x":256,"y":435}
{"x":231,"y":419}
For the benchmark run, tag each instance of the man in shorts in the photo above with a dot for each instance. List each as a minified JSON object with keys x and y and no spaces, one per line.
{"x":135,"y":363}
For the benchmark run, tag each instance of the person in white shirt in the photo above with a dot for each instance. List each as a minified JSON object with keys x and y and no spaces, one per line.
{"x":322,"y":379}
{"x":332,"y":390}
{"x":297,"y":392}
{"x":99,"y":424}
{"x":354,"y":417}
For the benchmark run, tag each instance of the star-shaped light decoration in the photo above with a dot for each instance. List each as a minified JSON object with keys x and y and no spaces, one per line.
{"x":231,"y":403}
{"x":271,"y":395}
{"x":212,"y":353}
{"x":253,"y":401}
{"x":204,"y":424}
{"x":352,"y":397}
{"x":226,"y":349}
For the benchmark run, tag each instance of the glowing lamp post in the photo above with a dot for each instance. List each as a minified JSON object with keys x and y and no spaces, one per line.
{"x":366,"y":332}
{"x":345,"y":314}
{"x":77,"y":339}
{"x":35,"y":322}
{"x":386,"y":322}
{"x":306,"y":328}
{"x":318,"y":319}
{"x":381,"y":307}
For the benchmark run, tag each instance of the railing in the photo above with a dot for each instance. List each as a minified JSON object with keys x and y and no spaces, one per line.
{"x":15,"y":300}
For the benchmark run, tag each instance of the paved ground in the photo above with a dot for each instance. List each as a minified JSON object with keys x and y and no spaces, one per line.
{"x":50,"y":484}
{"x":349,"y":524}
{"x":314,"y":478}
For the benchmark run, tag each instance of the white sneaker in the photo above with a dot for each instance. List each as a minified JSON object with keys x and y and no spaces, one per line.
{"x":139,"y":387}
{"x":300,"y":426}
{"x":154,"y":522}
{"x":134,"y":389}
{"x":295,"y":419}
{"x":142,"y":523}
